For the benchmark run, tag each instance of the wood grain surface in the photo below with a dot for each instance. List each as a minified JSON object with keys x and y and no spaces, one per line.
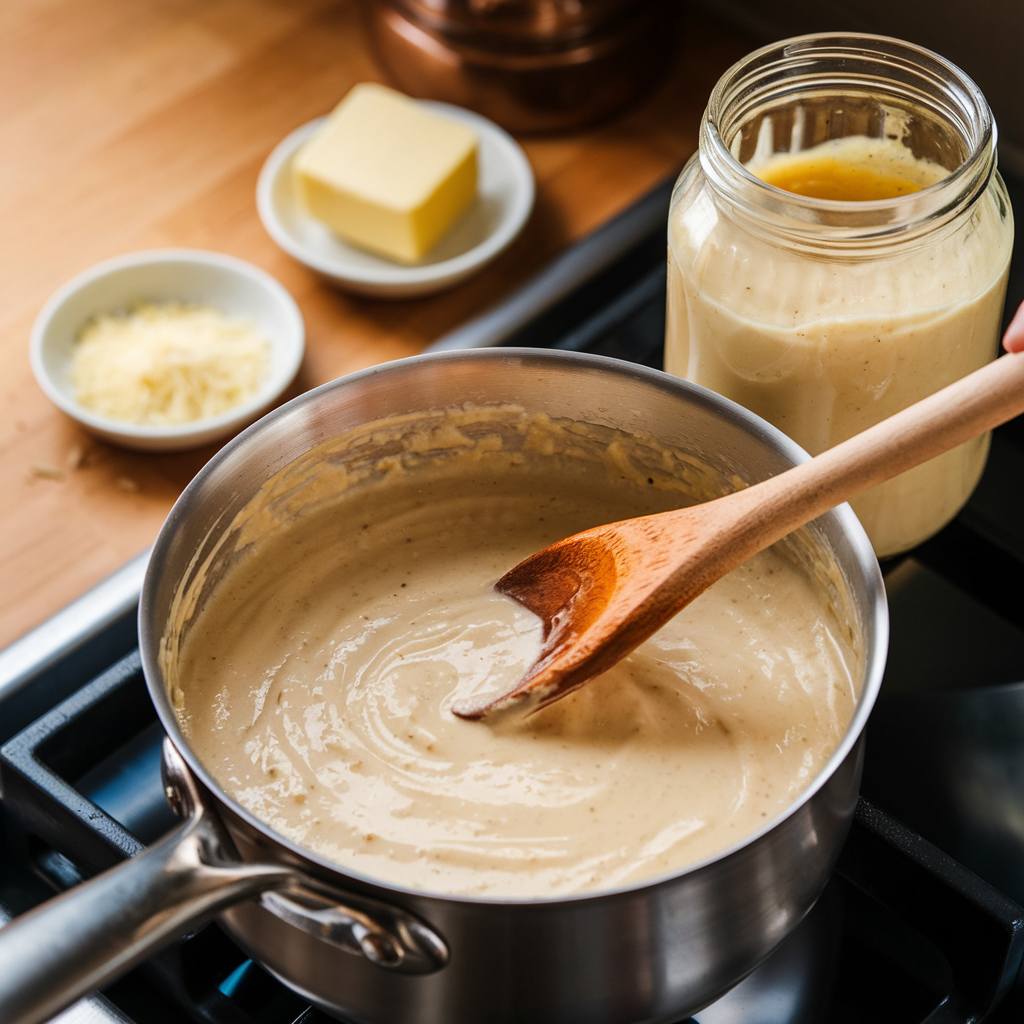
{"x":131,"y":124}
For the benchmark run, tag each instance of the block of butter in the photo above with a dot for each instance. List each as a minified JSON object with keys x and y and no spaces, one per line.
{"x":386,"y":174}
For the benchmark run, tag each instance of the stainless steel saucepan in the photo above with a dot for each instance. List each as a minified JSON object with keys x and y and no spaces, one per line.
{"x":653,"y":951}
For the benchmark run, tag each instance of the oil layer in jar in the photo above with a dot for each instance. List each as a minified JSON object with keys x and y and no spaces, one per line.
{"x":853,"y":169}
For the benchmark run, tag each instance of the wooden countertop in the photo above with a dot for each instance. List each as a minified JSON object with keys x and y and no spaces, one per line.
{"x":132,"y":124}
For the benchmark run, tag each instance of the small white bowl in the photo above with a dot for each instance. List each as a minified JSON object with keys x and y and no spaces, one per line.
{"x":231,"y":285}
{"x":503,"y":204}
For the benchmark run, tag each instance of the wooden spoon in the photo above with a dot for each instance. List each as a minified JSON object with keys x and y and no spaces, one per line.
{"x":602,"y":592}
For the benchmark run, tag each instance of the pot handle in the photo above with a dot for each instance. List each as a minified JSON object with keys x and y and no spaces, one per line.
{"x":100,"y":929}
{"x":95,"y":932}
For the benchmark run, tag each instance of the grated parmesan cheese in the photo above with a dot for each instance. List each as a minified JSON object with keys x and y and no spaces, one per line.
{"x":167,"y":363}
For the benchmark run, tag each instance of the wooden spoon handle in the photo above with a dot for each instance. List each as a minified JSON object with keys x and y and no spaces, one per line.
{"x":966,"y":408}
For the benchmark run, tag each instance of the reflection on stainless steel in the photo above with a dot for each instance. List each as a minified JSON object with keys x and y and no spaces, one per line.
{"x":530,"y":65}
{"x":786,"y":988}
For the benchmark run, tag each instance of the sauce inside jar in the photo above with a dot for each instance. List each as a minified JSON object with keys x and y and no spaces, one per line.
{"x":824,"y":347}
{"x":864,"y":271}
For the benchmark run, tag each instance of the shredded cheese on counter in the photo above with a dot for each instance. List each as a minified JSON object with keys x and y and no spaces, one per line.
{"x":167,"y":363}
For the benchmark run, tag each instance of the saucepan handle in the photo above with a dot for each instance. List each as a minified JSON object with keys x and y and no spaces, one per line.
{"x":98,"y":930}
{"x":93,"y":933}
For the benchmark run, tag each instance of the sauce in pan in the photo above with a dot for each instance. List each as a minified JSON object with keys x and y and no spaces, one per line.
{"x":317,"y":684}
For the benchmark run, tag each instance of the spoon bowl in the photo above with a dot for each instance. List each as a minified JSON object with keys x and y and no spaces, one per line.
{"x":601,"y":593}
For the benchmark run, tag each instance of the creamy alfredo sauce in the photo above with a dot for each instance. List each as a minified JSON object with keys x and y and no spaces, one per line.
{"x":317,"y":687}
{"x":823,"y":348}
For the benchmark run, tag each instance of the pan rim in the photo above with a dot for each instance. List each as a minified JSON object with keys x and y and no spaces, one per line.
{"x":863,"y":565}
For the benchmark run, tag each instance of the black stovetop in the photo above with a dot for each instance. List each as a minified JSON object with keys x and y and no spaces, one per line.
{"x":900,"y":925}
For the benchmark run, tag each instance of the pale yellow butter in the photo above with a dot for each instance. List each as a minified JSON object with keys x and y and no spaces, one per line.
{"x":387,"y":175}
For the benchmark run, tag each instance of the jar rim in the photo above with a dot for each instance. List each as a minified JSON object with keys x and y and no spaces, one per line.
{"x":954,"y":96}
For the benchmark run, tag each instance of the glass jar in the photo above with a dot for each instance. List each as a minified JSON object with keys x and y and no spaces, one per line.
{"x":827,"y":315}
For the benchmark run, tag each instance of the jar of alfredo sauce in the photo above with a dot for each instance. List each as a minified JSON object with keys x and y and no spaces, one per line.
{"x":838,"y":249}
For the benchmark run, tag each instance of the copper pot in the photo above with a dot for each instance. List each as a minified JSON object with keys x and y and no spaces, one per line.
{"x":530,"y":65}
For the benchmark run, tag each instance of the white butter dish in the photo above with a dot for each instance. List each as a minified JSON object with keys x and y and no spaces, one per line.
{"x":503,"y":204}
